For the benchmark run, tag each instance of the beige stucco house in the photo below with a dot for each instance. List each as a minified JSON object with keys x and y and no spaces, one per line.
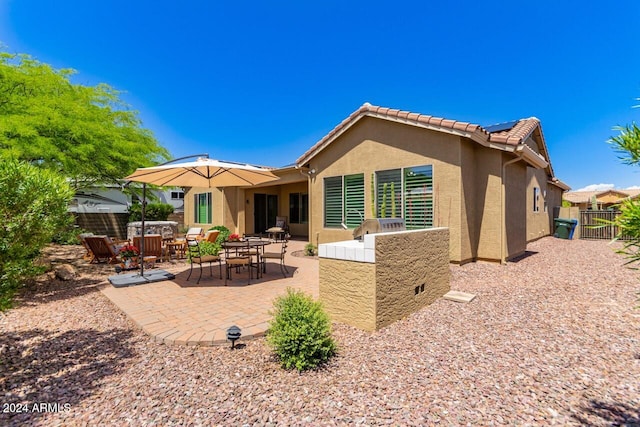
{"x":602,"y":199}
{"x":493,"y":187}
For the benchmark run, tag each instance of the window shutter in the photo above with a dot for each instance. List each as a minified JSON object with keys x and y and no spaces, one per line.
{"x":354,"y":199}
{"x":418,"y":203}
{"x":333,"y":201}
{"x":202,"y":211}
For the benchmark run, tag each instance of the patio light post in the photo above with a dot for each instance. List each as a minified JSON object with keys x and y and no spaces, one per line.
{"x":233,"y":334}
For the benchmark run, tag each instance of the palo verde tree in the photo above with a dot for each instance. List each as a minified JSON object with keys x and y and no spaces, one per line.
{"x":85,"y":133}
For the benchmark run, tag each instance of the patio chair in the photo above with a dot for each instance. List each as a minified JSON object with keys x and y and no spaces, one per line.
{"x":152,"y":245}
{"x":88,"y":256}
{"x":277,"y":255}
{"x":211,"y":235}
{"x":103,"y":249}
{"x":239,"y":258}
{"x":194,"y":233}
{"x":281,"y":229}
{"x":197,"y":258}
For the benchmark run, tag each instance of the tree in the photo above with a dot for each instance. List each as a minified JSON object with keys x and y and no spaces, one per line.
{"x":86,"y":133}
{"x":33,"y":207}
{"x":627,"y":145}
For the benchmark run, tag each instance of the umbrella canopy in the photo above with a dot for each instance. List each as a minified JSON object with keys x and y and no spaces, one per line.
{"x":203,"y":173}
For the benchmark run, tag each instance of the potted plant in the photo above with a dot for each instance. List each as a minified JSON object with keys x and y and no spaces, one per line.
{"x":129,"y":255}
{"x":233,"y":238}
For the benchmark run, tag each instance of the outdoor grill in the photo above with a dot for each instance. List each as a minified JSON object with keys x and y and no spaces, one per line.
{"x":378,"y":225}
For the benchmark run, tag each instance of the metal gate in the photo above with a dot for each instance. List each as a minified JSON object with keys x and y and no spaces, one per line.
{"x":597,"y":225}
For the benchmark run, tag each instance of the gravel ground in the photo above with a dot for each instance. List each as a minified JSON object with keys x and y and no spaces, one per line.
{"x":552,"y":339}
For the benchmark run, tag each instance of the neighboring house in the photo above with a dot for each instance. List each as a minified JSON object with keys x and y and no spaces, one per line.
{"x":603,"y":199}
{"x":494,"y":187}
{"x":105,"y":209}
{"x":100,"y":200}
{"x":111,"y":198}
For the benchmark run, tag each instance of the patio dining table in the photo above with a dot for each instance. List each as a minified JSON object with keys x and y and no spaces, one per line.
{"x":259,"y":244}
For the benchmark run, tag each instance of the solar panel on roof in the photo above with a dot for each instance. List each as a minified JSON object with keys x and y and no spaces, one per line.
{"x":501,"y":126}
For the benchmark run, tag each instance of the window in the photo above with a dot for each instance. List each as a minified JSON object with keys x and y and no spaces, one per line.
{"x":177,"y":195}
{"x":353,"y":200}
{"x":343,"y":200}
{"x":202,"y":208}
{"x":544,"y":200}
{"x":407,"y":193}
{"x":536,"y":199}
{"x":389,"y":193}
{"x":418,"y":197}
{"x":298,"y":208}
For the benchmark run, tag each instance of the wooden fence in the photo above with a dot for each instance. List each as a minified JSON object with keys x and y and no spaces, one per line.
{"x":591,"y":226}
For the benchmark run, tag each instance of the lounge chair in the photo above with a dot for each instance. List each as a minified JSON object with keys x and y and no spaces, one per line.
{"x":88,"y":256}
{"x":103,"y":249}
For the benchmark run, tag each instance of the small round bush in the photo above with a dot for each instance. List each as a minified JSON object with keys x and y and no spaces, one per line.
{"x":309,"y":249}
{"x":300,"y":331}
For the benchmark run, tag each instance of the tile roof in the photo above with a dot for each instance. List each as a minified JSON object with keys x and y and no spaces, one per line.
{"x":511,"y":134}
{"x":518,"y":133}
{"x":586,"y":196}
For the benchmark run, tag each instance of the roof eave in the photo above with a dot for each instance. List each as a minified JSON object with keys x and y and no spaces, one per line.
{"x":531,"y":157}
{"x":555,"y":181}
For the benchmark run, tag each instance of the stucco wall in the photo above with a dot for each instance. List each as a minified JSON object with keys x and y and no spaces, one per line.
{"x":216,"y":206}
{"x":540,"y":224}
{"x":347,"y":291}
{"x":515,"y":214}
{"x":371,"y":296}
{"x":372,"y":145}
{"x":488,"y":207}
{"x":405,"y":261}
{"x":224,"y":208}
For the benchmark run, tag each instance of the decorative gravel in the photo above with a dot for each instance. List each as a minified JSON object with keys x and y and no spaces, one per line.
{"x":552,"y":339}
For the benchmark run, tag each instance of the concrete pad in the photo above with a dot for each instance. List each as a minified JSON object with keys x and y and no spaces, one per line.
{"x":458,"y":296}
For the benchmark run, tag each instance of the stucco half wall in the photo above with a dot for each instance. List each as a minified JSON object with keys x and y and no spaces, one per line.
{"x":411,"y":270}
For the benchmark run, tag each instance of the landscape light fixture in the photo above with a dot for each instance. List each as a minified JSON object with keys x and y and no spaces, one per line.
{"x":233,"y":334}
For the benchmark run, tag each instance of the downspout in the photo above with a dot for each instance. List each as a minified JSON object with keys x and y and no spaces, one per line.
{"x":503,"y":225}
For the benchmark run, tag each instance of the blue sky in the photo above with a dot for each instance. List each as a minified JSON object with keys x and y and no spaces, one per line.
{"x":261,"y":82}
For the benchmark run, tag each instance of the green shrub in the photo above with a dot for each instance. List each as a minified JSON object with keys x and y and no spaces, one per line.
{"x":207,"y":248}
{"x":69,"y":234}
{"x":309,"y":249}
{"x":33,"y":208}
{"x":154,"y":211}
{"x":300,"y":331}
{"x":224,"y":233}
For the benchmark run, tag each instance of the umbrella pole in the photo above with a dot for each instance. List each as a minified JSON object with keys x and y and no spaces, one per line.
{"x":144,"y":202}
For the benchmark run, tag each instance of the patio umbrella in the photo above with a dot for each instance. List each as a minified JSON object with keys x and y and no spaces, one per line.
{"x":203,"y":172}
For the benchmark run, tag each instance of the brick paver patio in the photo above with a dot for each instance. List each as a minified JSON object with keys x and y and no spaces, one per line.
{"x":183,"y":313}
